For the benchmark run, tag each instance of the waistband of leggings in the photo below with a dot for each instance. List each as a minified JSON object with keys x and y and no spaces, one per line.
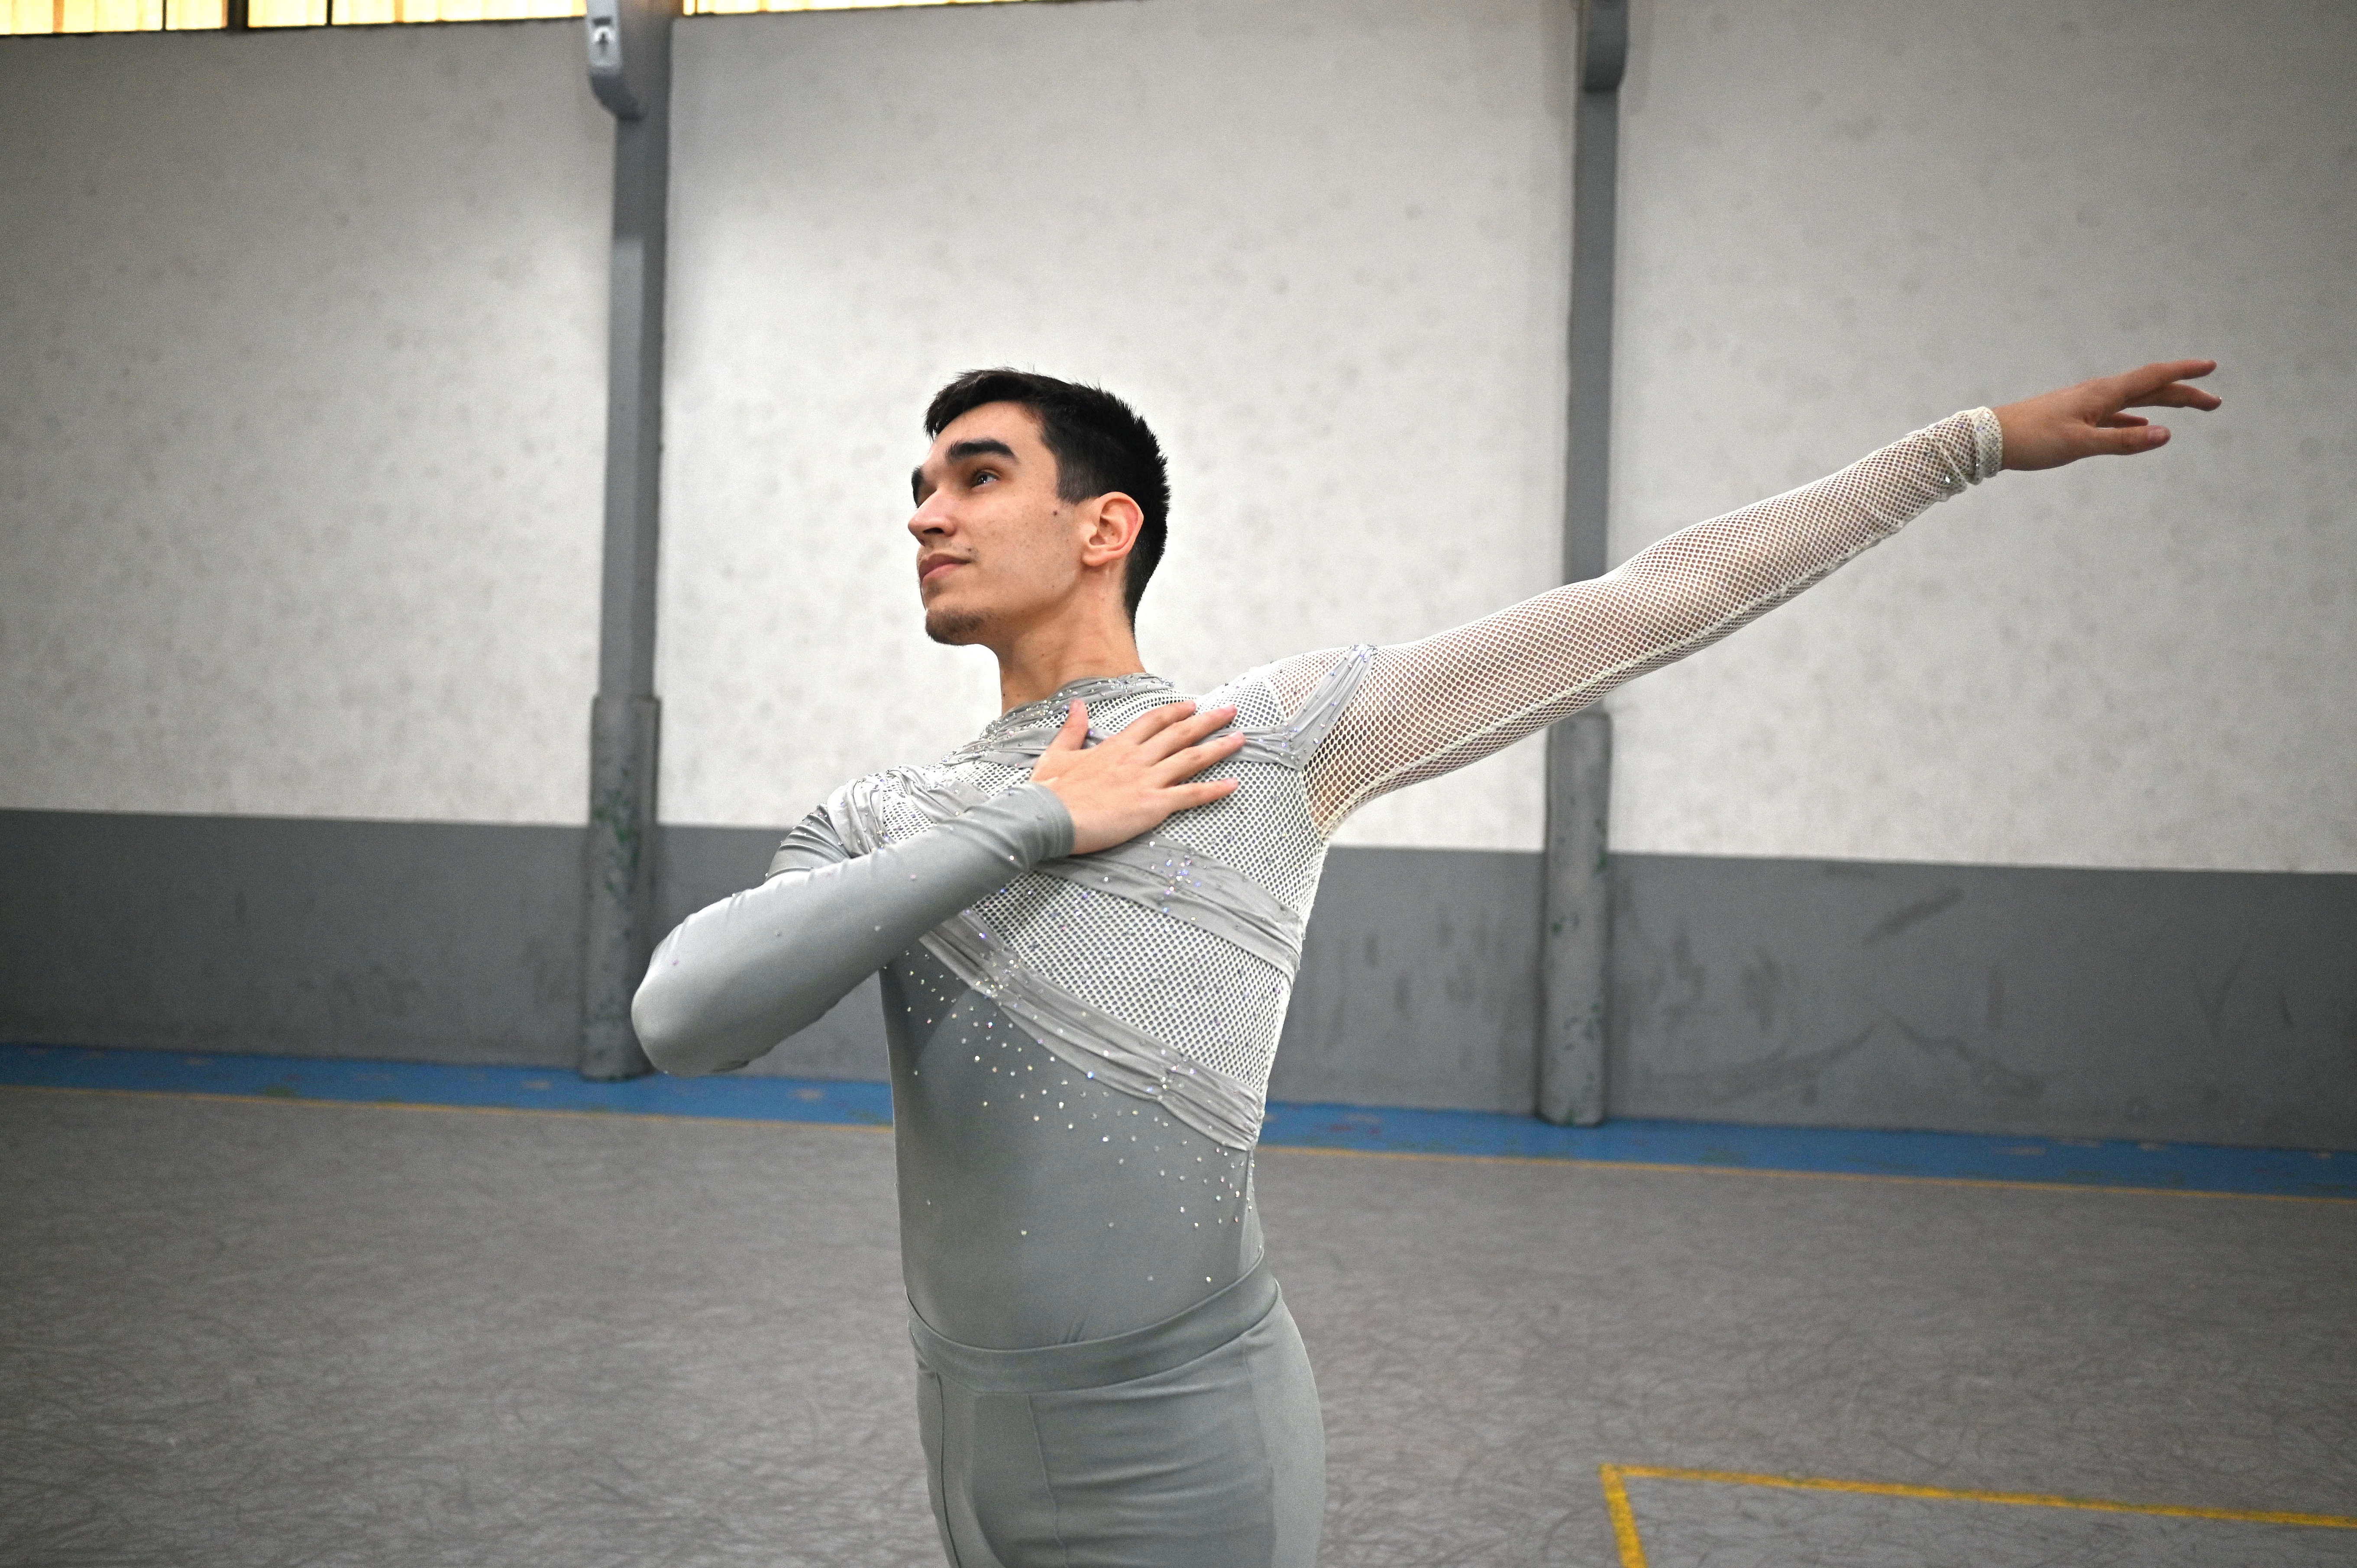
{"x":1176,"y":1340}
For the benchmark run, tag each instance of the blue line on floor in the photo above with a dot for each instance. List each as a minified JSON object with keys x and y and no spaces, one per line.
{"x":430,"y":1083}
{"x":2186,"y":1168}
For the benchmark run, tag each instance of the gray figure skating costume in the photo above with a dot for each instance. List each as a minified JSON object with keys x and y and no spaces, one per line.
{"x":1080,"y":1044}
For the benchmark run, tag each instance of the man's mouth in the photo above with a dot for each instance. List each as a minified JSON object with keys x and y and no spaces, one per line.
{"x":935,"y":571}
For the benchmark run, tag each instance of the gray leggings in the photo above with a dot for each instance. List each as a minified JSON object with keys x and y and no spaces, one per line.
{"x":1191,"y":1442}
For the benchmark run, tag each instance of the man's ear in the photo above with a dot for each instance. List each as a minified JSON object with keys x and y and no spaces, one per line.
{"x":1110,"y":525}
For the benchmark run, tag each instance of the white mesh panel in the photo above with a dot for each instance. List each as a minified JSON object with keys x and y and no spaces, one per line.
{"x":1182,"y":984}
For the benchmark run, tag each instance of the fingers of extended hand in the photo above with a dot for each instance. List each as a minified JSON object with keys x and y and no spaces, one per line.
{"x":2176,"y":394}
{"x":2139,"y":437}
{"x":2132,"y":388}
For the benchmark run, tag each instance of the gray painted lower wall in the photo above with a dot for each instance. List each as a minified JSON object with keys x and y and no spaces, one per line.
{"x":2196,"y":1006}
{"x":420,"y":942}
{"x":2213,"y":1006}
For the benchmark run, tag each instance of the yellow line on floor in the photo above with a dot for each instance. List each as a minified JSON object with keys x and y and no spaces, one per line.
{"x":1615,"y":1479}
{"x":1656,"y":1167}
{"x":1624,"y":1518}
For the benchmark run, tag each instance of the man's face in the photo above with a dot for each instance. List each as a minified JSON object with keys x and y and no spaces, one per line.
{"x":996,"y":549}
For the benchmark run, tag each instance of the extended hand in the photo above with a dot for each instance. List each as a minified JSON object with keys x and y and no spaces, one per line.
{"x":1119,"y":789}
{"x":2086,"y":421}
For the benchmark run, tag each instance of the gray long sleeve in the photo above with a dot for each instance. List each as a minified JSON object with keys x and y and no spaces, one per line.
{"x":738,"y":976}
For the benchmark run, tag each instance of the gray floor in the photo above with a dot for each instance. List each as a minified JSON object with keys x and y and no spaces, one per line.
{"x":267,"y":1334}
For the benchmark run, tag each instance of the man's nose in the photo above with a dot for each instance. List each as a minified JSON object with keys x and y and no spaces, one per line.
{"x":930,"y":518}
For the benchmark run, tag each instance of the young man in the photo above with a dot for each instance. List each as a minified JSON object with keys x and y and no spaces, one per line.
{"x":1088,"y":919}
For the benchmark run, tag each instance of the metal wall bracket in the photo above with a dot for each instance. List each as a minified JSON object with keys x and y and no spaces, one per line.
{"x":629,"y":55}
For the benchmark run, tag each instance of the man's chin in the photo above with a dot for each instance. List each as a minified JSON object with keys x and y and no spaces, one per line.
{"x":955,"y":627}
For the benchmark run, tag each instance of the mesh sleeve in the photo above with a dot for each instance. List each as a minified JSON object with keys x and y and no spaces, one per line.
{"x":1427,"y":707}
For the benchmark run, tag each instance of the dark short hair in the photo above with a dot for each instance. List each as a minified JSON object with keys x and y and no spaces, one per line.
{"x":1098,"y":441}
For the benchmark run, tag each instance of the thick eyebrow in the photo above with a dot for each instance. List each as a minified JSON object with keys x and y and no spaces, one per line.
{"x":959,"y":453}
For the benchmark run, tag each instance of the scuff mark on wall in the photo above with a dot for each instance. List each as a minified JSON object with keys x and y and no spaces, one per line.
{"x":1915,"y":914}
{"x":1744,"y":1081}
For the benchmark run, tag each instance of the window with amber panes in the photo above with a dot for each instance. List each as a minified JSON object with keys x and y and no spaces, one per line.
{"x":20,"y":16}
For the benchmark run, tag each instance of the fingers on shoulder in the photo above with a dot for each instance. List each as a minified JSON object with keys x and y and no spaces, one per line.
{"x":1207,"y":721}
{"x":1070,"y":736}
{"x":1153,"y":720}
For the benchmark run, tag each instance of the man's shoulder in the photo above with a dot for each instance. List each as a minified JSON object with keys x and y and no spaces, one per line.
{"x":1253,"y":694}
{"x":1290,"y":691}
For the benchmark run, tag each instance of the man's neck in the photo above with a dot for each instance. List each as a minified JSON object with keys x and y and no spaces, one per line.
{"x":1040,"y":665}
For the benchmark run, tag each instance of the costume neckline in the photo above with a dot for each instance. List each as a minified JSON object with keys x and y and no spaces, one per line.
{"x":1088,"y":689}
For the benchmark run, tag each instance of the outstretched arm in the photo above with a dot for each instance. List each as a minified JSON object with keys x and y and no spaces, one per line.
{"x":1424,"y":708}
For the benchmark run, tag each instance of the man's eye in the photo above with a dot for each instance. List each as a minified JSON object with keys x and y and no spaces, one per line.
{"x":980,"y":474}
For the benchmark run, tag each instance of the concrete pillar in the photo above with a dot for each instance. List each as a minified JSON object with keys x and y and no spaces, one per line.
{"x":629,"y":70}
{"x":1575,"y":951}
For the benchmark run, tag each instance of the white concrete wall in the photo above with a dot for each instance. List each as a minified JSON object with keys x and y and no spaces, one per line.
{"x":1842,"y":219}
{"x":302,"y":346}
{"x":299,"y":435}
{"x":1321,"y":243}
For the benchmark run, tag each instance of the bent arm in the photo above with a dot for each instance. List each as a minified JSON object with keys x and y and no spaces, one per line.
{"x":738,"y":976}
{"x":1424,"y":708}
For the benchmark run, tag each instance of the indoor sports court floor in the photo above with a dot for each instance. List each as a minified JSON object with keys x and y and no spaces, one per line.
{"x":278,"y":1328}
